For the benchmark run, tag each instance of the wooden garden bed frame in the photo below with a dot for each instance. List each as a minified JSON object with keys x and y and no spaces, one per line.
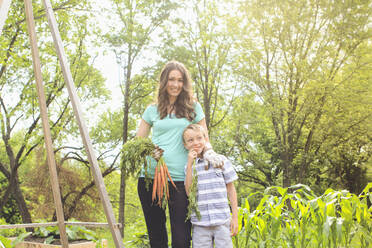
{"x":88,"y":244}
{"x":80,"y":244}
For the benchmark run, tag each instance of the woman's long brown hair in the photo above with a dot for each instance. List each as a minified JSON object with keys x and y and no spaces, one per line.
{"x":184,"y":105}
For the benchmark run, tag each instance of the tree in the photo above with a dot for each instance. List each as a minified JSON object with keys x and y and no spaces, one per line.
{"x":294,"y":59}
{"x":20,"y":118}
{"x":252,"y":143}
{"x":203,"y":42}
{"x":138,"y":20}
{"x":344,"y":146}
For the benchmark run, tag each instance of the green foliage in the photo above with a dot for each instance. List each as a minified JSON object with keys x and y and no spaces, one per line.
{"x":135,"y":152}
{"x":203,"y":42}
{"x":193,"y":195}
{"x":20,"y":122}
{"x":20,"y":238}
{"x":9,"y":232}
{"x":74,"y":232}
{"x":296,"y":217}
{"x":5,"y":243}
{"x":306,"y":69}
{"x":140,"y":240}
{"x":9,"y":213}
{"x":74,"y":177}
{"x":8,"y":243}
{"x":302,"y":70}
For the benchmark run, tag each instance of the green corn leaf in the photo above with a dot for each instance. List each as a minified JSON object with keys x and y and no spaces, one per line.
{"x":346,"y":210}
{"x":327,"y":225}
{"x":282,"y":191}
{"x":331,"y":208}
{"x":293,"y":204}
{"x":246,"y":205}
{"x":261,"y":225}
{"x":339,"y":224}
{"x":328,"y":191}
{"x":358,"y":215}
{"x":367,"y":189}
{"x":300,"y":186}
{"x":303,"y":209}
{"x":321,"y":204}
{"x":262,"y":203}
{"x":268,"y":189}
{"x":4,"y":242}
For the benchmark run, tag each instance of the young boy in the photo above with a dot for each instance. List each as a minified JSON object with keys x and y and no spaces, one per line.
{"x":214,"y":186}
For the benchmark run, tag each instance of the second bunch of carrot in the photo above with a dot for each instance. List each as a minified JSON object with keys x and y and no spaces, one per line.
{"x":160,"y":188}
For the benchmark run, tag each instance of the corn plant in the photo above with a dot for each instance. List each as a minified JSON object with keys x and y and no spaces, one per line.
{"x":296,"y":217}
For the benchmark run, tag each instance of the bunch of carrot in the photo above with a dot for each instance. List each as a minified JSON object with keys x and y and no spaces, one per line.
{"x":160,"y":188}
{"x":134,"y":156}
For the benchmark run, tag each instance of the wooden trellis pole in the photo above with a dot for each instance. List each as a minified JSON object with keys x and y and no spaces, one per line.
{"x":83,"y":130}
{"x":45,"y":122}
{"x":114,"y":227}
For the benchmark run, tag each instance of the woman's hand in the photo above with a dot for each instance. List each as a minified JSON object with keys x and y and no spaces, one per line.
{"x":157,"y":153}
{"x":214,"y":158}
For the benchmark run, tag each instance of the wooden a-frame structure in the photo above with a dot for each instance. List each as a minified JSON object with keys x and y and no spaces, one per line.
{"x":114,"y":227}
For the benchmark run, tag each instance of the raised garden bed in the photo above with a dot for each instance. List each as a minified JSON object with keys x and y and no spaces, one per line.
{"x":74,"y":244}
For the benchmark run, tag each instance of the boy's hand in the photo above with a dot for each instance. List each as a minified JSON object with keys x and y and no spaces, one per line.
{"x":192,"y":155}
{"x":234,"y":226}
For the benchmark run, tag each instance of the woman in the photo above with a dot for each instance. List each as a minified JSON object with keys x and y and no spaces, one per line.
{"x":174,"y":110}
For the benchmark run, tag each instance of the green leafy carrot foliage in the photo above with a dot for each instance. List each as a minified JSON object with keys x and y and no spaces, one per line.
{"x":134,"y":154}
{"x":193,"y":195}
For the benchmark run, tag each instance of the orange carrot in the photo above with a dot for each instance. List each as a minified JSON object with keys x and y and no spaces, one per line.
{"x":163,"y":181}
{"x":159,"y":185}
{"x":169,"y":176}
{"x":166,"y":193}
{"x":154,"y":185}
{"x":167,"y":189}
{"x":160,"y":190}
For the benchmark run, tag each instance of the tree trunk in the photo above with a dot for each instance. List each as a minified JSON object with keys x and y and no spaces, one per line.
{"x":122,"y":201}
{"x":123,"y":171}
{"x":5,"y":197}
{"x":125,"y":138}
{"x":14,"y":186}
{"x":21,"y":203}
{"x":286,"y":165}
{"x":207,"y":108}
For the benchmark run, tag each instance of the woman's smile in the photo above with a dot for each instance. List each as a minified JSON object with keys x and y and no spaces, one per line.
{"x":175,"y":84}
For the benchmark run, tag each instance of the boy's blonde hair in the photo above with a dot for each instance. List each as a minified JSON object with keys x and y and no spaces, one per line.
{"x":194,"y":127}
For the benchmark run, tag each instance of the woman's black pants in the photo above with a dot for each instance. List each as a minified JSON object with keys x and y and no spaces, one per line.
{"x":155,"y":216}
